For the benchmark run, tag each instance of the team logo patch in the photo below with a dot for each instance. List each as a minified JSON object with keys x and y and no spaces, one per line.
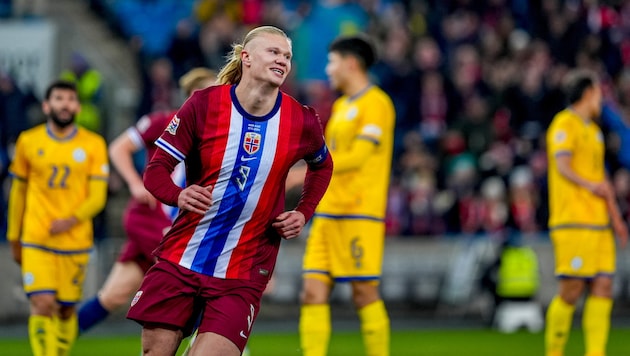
{"x":28,"y":278}
{"x":576,"y":263}
{"x":352,"y":113}
{"x":105,"y":168}
{"x":173,"y":125}
{"x":136,"y":298}
{"x":251,"y":142}
{"x":79,"y":155}
{"x":560,"y":136}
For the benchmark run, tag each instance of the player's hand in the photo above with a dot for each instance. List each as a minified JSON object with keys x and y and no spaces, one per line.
{"x":602,"y":189}
{"x":16,"y":251}
{"x":142,"y":195}
{"x":62,"y":225}
{"x":289,"y":224}
{"x":196,"y":199}
{"x":621,"y":231}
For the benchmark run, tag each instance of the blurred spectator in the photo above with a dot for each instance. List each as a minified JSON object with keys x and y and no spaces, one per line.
{"x":89,"y":88}
{"x":160,"y":90}
{"x":14,"y":118}
{"x":184,"y":51}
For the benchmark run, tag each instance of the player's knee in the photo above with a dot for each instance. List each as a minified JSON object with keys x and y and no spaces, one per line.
{"x":364,"y":293}
{"x":43,"y":304}
{"x":113,"y":300}
{"x":314,"y":292}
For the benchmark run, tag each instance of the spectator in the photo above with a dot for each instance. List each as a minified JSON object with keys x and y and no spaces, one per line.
{"x":89,"y":87}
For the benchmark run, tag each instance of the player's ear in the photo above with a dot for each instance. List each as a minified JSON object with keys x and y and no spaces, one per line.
{"x":45,"y":107}
{"x":246,"y":58}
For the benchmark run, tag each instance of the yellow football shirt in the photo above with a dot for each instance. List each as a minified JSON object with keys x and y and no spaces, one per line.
{"x":358,"y":188}
{"x":57,"y":173}
{"x":571,"y":205}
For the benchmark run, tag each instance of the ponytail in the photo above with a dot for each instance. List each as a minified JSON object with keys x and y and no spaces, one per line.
{"x":232,"y":70}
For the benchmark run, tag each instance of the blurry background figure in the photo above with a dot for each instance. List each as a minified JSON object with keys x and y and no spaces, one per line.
{"x":513,"y":277}
{"x":89,"y":86}
{"x":29,"y":8}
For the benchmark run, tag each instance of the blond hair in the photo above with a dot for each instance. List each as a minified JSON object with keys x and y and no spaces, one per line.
{"x":194,"y":78}
{"x":232,"y":71}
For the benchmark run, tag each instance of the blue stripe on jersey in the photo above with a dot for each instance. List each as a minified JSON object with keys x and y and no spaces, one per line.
{"x":234,"y":199}
{"x":170,"y":149}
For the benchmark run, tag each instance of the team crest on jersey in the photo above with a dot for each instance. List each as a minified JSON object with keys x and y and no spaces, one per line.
{"x":251,"y":142}
{"x":136,"y":298}
{"x":79,"y":155}
{"x":173,"y":125}
{"x":560,"y":136}
{"x":352,"y":113}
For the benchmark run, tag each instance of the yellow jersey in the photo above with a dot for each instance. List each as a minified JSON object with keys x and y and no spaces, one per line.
{"x":57,"y":173}
{"x":359,"y":135}
{"x":571,"y":205}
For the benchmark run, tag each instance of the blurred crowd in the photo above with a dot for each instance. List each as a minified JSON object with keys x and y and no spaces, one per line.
{"x":475,"y":85}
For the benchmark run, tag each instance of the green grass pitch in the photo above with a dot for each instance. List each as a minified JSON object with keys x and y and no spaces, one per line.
{"x":412,"y":343}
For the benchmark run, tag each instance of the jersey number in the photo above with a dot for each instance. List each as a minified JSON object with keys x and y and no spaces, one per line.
{"x":242,"y":179}
{"x":58,"y":176}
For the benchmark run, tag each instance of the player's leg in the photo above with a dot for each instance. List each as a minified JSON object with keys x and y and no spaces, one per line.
{"x":159,"y":340}
{"x":560,"y":315}
{"x":165,"y":305}
{"x":67,"y":328}
{"x":71,"y":275}
{"x":38,"y":274}
{"x":596,"y":316}
{"x":230,"y":309}
{"x":41,"y":327}
{"x":212,"y":344}
{"x":315,"y":325}
{"x":373,"y":316}
{"x":121,"y":284}
{"x":364,"y":268}
{"x":598,"y":304}
{"x":570,"y":246}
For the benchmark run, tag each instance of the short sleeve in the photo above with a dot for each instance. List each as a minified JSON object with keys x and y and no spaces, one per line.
{"x":179,"y":135}
{"x":561,"y":138}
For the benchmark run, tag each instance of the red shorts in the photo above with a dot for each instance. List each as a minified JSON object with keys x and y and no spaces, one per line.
{"x":173,"y":297}
{"x":145,"y":228}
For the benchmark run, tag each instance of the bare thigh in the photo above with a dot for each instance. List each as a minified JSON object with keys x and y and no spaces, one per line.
{"x":123,"y":281}
{"x":211,"y":344}
{"x":160,"y":342}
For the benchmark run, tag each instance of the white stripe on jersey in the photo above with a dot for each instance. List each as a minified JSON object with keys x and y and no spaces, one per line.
{"x":253,"y":198}
{"x":227,"y":165}
{"x":170,"y":149}
{"x":135,"y":137}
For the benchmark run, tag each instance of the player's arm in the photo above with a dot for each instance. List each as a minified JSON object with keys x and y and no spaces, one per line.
{"x":15,"y":214}
{"x":121,"y":152}
{"x":563,"y":163}
{"x":361,"y":149}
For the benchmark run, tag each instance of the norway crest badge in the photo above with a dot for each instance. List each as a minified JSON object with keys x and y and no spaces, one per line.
{"x":251,"y":142}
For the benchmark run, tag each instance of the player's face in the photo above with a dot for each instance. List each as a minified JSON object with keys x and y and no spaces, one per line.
{"x":335,"y":69}
{"x":269,"y":57}
{"x":62,"y":106}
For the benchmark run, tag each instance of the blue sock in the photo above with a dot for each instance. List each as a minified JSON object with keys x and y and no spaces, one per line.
{"x":90,"y":314}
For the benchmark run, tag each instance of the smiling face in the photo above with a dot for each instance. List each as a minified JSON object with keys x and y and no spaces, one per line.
{"x":267,"y":57}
